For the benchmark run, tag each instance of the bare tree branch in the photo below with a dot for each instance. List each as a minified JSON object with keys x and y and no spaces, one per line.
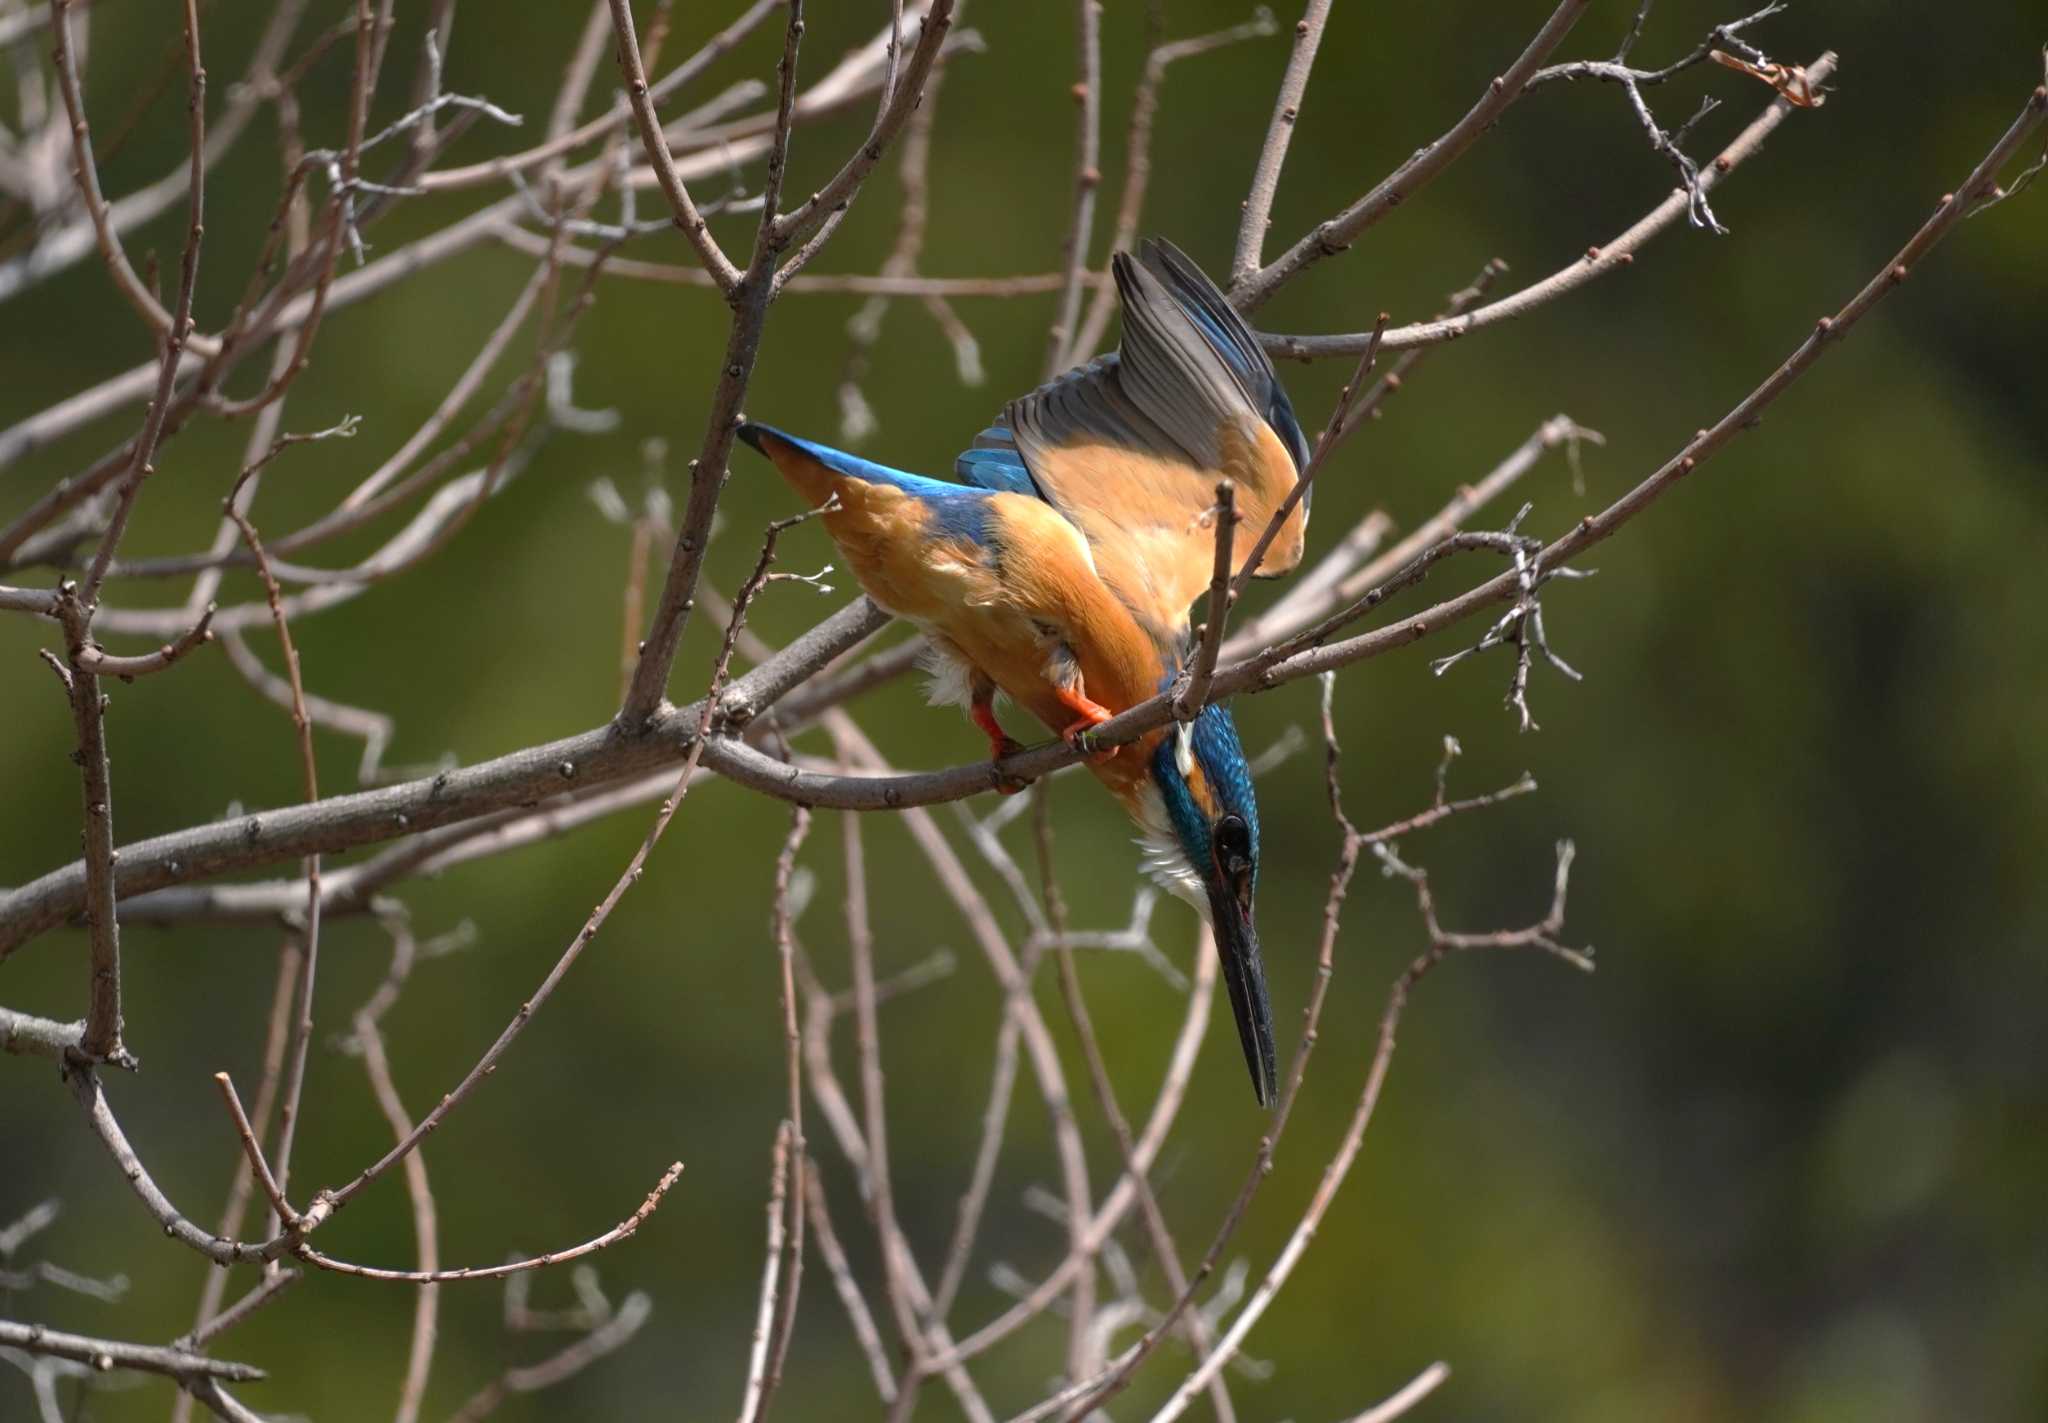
{"x":113,"y":1354}
{"x":1597,"y":261}
{"x":1258,"y":203}
{"x":1060,"y":350}
{"x":1332,"y":236}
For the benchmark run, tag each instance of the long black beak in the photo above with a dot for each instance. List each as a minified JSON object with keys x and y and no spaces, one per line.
{"x":1244,"y":974}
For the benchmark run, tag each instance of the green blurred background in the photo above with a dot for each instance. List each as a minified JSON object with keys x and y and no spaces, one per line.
{"x":1782,"y":1158}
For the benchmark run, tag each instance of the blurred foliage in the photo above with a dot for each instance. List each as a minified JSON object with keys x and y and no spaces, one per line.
{"x":1781,"y":1159}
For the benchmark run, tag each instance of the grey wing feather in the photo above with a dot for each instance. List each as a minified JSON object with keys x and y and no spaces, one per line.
{"x":1187,"y":366}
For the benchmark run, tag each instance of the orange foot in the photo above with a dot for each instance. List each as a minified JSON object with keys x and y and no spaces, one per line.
{"x":1000,"y":744}
{"x":1090,"y":715}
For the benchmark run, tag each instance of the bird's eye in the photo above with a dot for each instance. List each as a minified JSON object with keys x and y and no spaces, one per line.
{"x":1233,"y":838}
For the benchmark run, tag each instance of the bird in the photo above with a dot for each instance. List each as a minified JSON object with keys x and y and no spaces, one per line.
{"x":1059,"y":566}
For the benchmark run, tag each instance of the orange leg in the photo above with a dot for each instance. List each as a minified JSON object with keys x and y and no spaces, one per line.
{"x":1089,"y":714}
{"x":982,"y":712}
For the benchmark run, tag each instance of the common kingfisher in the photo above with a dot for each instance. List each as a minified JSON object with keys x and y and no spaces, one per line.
{"x":1061,"y":572}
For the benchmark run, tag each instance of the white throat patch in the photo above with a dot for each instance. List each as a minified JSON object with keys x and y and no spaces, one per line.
{"x":1163,"y":858}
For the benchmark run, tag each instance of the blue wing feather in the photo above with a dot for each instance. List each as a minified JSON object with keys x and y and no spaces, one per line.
{"x":993,"y":463}
{"x":957,"y":510}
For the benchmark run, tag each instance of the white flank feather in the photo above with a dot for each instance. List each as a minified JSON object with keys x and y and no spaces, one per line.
{"x":952,"y":676}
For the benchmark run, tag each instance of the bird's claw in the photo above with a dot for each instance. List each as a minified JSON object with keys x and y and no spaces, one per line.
{"x":1005,"y":783}
{"x":1081,"y":736}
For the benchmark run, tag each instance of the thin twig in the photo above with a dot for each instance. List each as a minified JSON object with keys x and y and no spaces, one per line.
{"x":260,"y":1294}
{"x":1610,"y":256}
{"x":356,"y":820}
{"x":86,"y":171}
{"x":1258,"y":203}
{"x":487,"y":1064}
{"x":1344,"y":414}
{"x":750,"y":300}
{"x":1540,"y":935}
{"x":1158,"y":1235}
{"x":1399,"y":1403}
{"x":611,"y":1237}
{"x":782,"y":1325}
{"x":1087,"y":92}
{"x":295,"y":1069}
{"x":1193,"y":694}
{"x":691,"y":222}
{"x":759,"y":1390}
{"x":1337,"y":233}
{"x":608,"y":1337}
{"x":210,"y":1322}
{"x":864,"y":1331}
{"x":116,"y":1354}
{"x":367,"y":1038}
{"x":1138,"y":156}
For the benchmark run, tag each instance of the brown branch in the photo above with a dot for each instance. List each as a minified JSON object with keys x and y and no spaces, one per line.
{"x":761,"y":1376}
{"x":1157,"y":1234}
{"x":373,"y":728}
{"x":1166,"y":1108}
{"x":174,"y":329}
{"x":874,"y":1102}
{"x":1342,"y":420}
{"x":862,"y":1319}
{"x":1706,"y":443}
{"x":368,"y":1039}
{"x":115,"y":1354}
{"x":687,"y":218}
{"x":302,"y":1037}
{"x":210,"y":1322}
{"x":1193,"y":693}
{"x":102,"y":1041}
{"x":23,"y":1033}
{"x":864,"y":329}
{"x":750,"y":299}
{"x":935,"y":1354}
{"x":563,"y":140}
{"x":1794,"y":84}
{"x":1540,"y":935}
{"x":365,"y":818}
{"x":294,"y":306}
{"x":1558,"y":432}
{"x":1095,"y":1391}
{"x":491,"y":1272}
{"x":605,"y":1338}
{"x":1399,"y":1403}
{"x":1333,"y":235}
{"x":252,"y":1151}
{"x":487,"y":1064}
{"x":995,"y":1120}
{"x":785,"y":120}
{"x":791,"y":1182}
{"x":1138,"y":160}
{"x":908,"y":91}
{"x":1339,"y":579}
{"x":262,"y":1293}
{"x":1087,"y":94}
{"x":878,"y":284}
{"x":91,"y":1096}
{"x":102,"y":663}
{"x":1258,"y":203}
{"x":445,"y":798}
{"x":1613,"y":255}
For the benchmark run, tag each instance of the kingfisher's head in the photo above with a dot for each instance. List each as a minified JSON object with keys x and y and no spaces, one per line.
{"x":1201,"y":833}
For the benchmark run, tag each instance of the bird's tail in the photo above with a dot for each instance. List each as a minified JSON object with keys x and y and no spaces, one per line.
{"x":798,"y":461}
{"x":818,"y":471}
